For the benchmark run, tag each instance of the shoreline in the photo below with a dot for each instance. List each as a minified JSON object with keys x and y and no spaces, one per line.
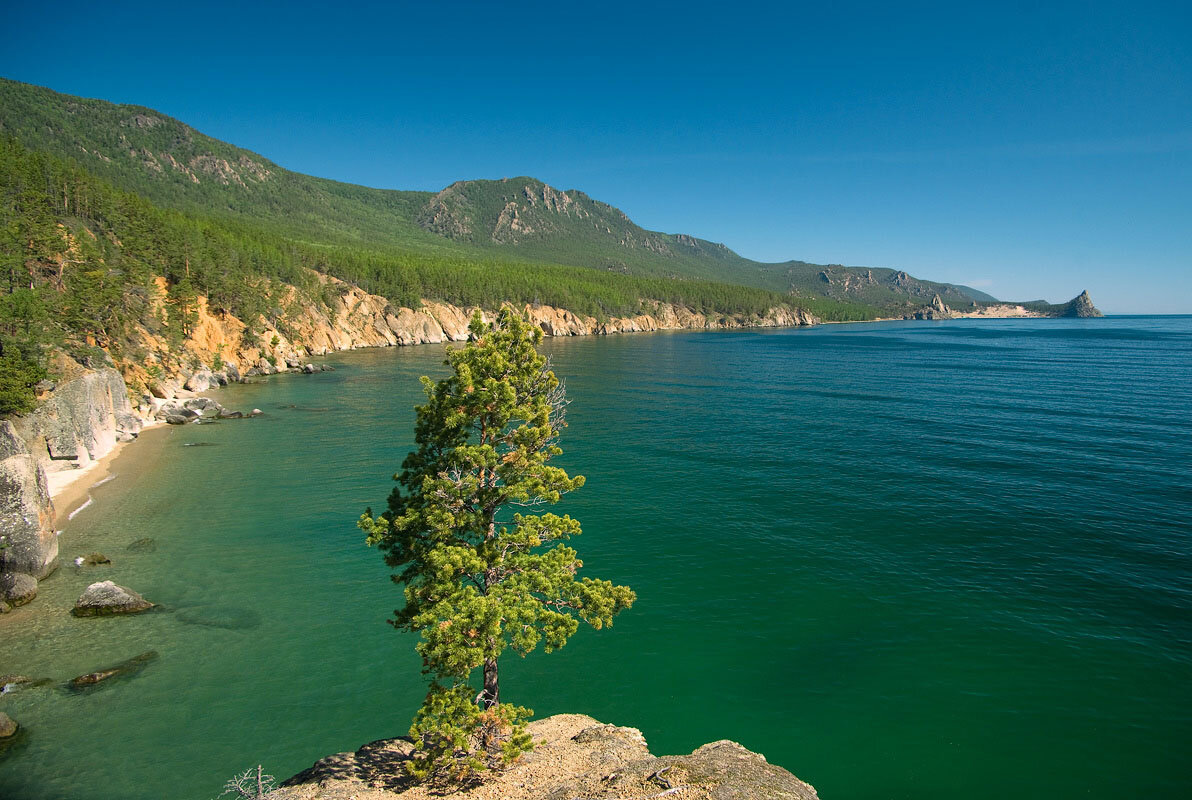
{"x":70,"y":488}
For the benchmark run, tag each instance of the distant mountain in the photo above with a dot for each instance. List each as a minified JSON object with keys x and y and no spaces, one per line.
{"x":174,"y":166}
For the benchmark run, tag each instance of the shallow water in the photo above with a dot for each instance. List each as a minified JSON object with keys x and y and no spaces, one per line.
{"x":920,"y":560}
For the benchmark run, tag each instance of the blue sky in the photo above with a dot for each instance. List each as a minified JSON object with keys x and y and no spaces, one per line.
{"x":1031,"y":150}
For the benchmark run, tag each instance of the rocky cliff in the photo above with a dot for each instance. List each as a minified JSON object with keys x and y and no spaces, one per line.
{"x":79,"y":421}
{"x":574,"y":757}
{"x":354,"y":318}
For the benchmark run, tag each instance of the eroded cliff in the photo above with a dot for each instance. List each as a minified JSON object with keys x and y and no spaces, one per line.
{"x":355,"y":318}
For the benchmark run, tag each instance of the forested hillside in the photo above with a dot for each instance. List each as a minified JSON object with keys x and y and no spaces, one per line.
{"x":116,"y":219}
{"x":86,"y":264}
{"x":521,"y":219}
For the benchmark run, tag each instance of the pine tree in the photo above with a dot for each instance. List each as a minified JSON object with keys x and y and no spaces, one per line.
{"x":479,"y":576}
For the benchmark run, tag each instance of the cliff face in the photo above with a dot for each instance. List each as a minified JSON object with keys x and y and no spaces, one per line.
{"x":79,"y":422}
{"x":358,"y":319}
{"x":574,"y":757}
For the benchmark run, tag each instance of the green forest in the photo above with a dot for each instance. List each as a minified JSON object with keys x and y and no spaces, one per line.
{"x":80,"y":258}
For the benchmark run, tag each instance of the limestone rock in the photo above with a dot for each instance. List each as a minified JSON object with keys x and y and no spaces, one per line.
{"x":17,"y":588}
{"x":201,"y":381}
{"x":78,"y":422}
{"x":574,"y":757}
{"x":26,"y":513}
{"x":105,"y":597}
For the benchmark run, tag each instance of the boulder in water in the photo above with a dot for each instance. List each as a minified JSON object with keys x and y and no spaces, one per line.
{"x":96,"y":558}
{"x":17,"y":588}
{"x":104,"y":598}
{"x":8,"y":728}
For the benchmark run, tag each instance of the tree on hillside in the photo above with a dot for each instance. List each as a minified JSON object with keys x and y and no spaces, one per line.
{"x":479,"y":575}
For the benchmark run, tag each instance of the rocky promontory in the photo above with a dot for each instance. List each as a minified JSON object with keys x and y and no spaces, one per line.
{"x":1079,"y":306}
{"x":574,"y":756}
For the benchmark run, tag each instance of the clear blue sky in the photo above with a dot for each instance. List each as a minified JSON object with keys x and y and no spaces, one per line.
{"x":1032,"y":150}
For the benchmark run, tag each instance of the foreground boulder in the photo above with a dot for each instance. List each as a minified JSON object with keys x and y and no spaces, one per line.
{"x":17,"y":588}
{"x":26,"y":513}
{"x":7,"y":726}
{"x":104,"y":598}
{"x":125,"y":669}
{"x":574,"y":757}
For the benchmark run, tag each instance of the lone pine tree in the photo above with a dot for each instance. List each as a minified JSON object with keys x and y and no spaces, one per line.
{"x":480,"y":575}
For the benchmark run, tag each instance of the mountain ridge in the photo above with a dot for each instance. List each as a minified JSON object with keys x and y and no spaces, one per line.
{"x":175,"y":165}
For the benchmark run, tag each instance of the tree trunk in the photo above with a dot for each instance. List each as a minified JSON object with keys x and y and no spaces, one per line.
{"x":492,"y":691}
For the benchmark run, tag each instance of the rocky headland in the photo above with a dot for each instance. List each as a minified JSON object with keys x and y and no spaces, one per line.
{"x":574,"y":756}
{"x":1080,"y":306}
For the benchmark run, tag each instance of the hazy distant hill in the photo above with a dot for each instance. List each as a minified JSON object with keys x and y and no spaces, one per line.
{"x":523,"y":219}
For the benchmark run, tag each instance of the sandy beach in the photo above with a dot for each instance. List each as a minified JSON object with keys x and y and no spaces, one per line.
{"x":70,"y":489}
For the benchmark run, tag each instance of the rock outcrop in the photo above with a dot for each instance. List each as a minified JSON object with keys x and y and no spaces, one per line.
{"x":106,"y":598}
{"x":81,"y":420}
{"x":936,"y":310}
{"x":574,"y":757}
{"x":1081,"y":306}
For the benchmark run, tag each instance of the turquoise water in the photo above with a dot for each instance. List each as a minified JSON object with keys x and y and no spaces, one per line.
{"x":920,"y":560}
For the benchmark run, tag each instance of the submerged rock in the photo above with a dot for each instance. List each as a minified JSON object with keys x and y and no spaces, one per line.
{"x":105,"y":597}
{"x":125,"y":669}
{"x":17,"y":588}
{"x":232,"y":618}
{"x":145,"y":545}
{"x":12,"y":683}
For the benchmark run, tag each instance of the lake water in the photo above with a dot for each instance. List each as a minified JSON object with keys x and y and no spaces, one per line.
{"x":903,"y":560}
